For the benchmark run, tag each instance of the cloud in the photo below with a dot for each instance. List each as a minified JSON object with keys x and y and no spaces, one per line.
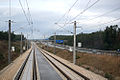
{"x":46,"y":12}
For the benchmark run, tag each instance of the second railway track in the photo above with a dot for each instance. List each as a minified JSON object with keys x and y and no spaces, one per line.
{"x":68,"y":72}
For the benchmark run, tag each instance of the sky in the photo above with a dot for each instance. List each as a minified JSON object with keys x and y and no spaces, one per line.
{"x":45,"y":13}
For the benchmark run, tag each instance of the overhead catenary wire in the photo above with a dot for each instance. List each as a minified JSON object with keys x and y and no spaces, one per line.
{"x":88,"y":3}
{"x":62,"y":28}
{"x":24,"y":12}
{"x":30,"y":17}
{"x":65,"y":15}
{"x":108,"y":12}
{"x":98,"y":16}
{"x":105,"y":13}
{"x":68,"y":11}
{"x":81,"y":12}
{"x":110,"y":21}
{"x":84,"y":10}
{"x":107,"y":22}
{"x":22,"y":27}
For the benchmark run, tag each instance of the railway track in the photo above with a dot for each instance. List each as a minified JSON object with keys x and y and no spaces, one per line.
{"x":34,"y":67}
{"x":25,"y":70}
{"x":65,"y":70}
{"x":30,"y":71}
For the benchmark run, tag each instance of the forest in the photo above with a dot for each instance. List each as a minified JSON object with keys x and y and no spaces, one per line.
{"x":108,"y":39}
{"x":14,"y":37}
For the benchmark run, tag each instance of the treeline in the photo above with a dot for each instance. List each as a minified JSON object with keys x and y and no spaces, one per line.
{"x":109,"y":39}
{"x":14,"y":37}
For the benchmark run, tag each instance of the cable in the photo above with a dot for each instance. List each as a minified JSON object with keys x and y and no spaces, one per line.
{"x":68,"y":10}
{"x":63,"y":28}
{"x":86,"y":6}
{"x":85,"y":10}
{"x":88,"y":3}
{"x":29,"y":12}
{"x":21,"y":27}
{"x":30,"y":17}
{"x":81,"y":12}
{"x":105,"y":13}
{"x":110,"y":21}
{"x":24,"y":12}
{"x":65,"y":15}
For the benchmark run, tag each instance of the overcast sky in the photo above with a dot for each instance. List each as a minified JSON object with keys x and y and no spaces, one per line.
{"x":45,"y":13}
